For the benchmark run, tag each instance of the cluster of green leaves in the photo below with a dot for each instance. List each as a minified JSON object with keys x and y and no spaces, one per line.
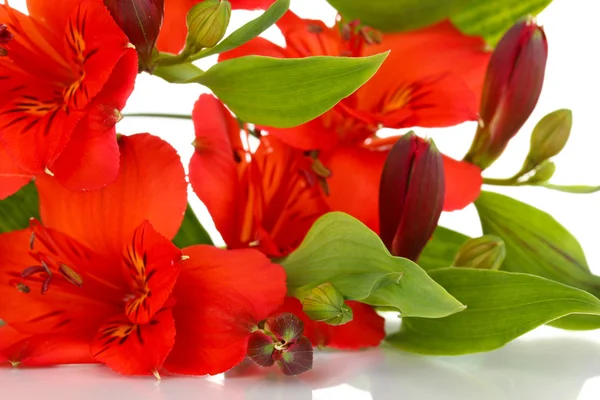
{"x":486,"y":18}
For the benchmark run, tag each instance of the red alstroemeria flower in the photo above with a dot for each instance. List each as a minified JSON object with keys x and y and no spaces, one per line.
{"x":432,"y":78}
{"x":100,"y":281}
{"x":174,"y":30}
{"x":67,"y":71}
{"x":267,"y":198}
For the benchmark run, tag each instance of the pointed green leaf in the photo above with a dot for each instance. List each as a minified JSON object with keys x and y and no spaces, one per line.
{"x":287,"y":92}
{"x":341,"y":250}
{"x":501,"y":306}
{"x":577,"y":189}
{"x":397,"y":15}
{"x":441,"y":249}
{"x":191,"y":231}
{"x":16,"y":210}
{"x":537,"y":244}
{"x":492,"y":18}
{"x":250,"y":30}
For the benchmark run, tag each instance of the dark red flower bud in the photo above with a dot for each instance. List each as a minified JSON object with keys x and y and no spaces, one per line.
{"x":512,"y":86}
{"x":141,"y":21}
{"x":411,"y":195}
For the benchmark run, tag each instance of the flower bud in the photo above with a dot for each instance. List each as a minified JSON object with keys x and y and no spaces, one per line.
{"x":511,"y":89}
{"x":486,"y":252}
{"x":411,"y":195}
{"x":141,"y":21}
{"x":543,"y":173}
{"x":549,"y":137}
{"x":207,"y":22}
{"x":325,"y":303}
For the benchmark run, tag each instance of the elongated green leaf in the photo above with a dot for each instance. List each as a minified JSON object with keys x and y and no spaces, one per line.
{"x":501,"y":306}
{"x":578,"y":189}
{"x":179,"y":73}
{"x":16,"y":210}
{"x":287,"y":92}
{"x":537,"y":244}
{"x":342,"y":251}
{"x":191,"y":231}
{"x":492,"y":18}
{"x":397,"y":15}
{"x":441,"y":249}
{"x":250,"y":30}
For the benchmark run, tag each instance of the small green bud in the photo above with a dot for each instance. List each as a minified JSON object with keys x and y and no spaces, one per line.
{"x":549,"y":136}
{"x":486,"y":252}
{"x":543,"y":172}
{"x":325,"y":303}
{"x":207,"y":22}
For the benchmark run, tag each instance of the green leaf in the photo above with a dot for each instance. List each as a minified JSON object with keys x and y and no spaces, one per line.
{"x":492,"y":18}
{"x":537,"y":244}
{"x":578,"y":189}
{"x":501,"y":306}
{"x":340,"y":250}
{"x":18,"y":209}
{"x":397,"y":15}
{"x":441,"y":249}
{"x":191,"y":231}
{"x":250,"y":30}
{"x":287,"y":92}
{"x":178,"y":73}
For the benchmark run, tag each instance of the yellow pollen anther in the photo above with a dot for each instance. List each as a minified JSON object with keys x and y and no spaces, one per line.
{"x":156,"y":374}
{"x":130,"y":46}
{"x":47,"y":170}
{"x":184,"y":257}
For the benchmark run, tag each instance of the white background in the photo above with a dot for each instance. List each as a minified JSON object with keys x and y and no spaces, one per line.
{"x":546,"y":364}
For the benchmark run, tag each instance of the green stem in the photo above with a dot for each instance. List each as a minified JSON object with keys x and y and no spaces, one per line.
{"x":158,"y":115}
{"x":502,"y":182}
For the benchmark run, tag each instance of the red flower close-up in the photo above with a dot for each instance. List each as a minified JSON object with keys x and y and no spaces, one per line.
{"x":67,"y":71}
{"x":98,"y":280}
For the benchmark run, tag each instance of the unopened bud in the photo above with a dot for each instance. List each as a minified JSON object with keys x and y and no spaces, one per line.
{"x":325,"y":303}
{"x":511,"y":89}
{"x":486,"y":252}
{"x":141,"y":21}
{"x":411,"y":195}
{"x":549,"y":136}
{"x":543,"y":173}
{"x":207,"y":22}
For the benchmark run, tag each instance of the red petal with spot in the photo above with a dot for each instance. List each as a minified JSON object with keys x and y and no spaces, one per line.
{"x":151,"y":186}
{"x":221,"y":296}
{"x":43,"y":350}
{"x":91,"y":158}
{"x":133,"y":349}
{"x":54,"y":14}
{"x":151,"y":267}
{"x":213,"y":170}
{"x":298,"y":358}
{"x":365,"y":330}
{"x":65,"y":309}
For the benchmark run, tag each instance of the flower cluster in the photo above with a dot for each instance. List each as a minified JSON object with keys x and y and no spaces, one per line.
{"x":96,"y":276}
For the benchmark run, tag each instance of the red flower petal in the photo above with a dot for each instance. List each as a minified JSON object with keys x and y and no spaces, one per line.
{"x":365,"y":330}
{"x":91,"y":158}
{"x":133,"y":349}
{"x":65,"y":308}
{"x":150,"y":186}
{"x":42,"y":350}
{"x":221,"y":295}
{"x":213,"y":171}
{"x":54,"y":14}
{"x":152,"y":265}
{"x":12,"y":178}
{"x":463,"y":183}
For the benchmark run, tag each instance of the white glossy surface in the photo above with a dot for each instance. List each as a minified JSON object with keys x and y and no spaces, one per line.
{"x":546,"y":365}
